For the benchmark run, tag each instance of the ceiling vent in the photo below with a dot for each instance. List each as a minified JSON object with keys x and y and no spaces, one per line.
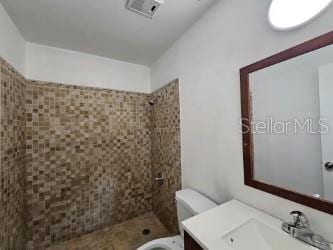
{"x":145,"y":7}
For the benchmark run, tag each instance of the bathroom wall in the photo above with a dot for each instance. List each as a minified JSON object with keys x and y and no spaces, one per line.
{"x":207,"y":59}
{"x":88,"y":160}
{"x":46,"y":63}
{"x":12,"y":160}
{"x":12,"y":44}
{"x":76,"y":159}
{"x":166,"y":159}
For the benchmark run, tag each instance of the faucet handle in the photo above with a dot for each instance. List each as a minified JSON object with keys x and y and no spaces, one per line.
{"x":300,"y":219}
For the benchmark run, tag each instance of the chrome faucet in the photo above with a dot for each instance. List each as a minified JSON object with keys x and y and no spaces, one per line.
{"x":300,"y":229}
{"x":160,"y":179}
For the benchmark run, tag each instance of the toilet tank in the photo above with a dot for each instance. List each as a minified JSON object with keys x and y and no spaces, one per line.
{"x":189,"y":204}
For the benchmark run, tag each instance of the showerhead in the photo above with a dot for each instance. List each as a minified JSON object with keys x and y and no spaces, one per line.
{"x":153,"y":99}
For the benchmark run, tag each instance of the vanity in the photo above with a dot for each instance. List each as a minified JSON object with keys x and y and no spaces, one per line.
{"x":237,"y":226}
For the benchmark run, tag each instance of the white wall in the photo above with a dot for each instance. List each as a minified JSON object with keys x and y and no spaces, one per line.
{"x":38,"y":62}
{"x":207,"y":59}
{"x":12,"y":44}
{"x":45,"y":63}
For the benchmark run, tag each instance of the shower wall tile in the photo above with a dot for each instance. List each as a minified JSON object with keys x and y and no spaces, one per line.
{"x":12,"y":157}
{"x":88,"y":160}
{"x":166,"y":154}
{"x":77,"y":159}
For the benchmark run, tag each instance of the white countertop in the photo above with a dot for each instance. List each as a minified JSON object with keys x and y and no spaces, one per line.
{"x":209,"y":227}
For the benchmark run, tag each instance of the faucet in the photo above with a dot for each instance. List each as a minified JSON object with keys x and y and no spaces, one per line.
{"x":300,"y":229}
{"x":160,"y":179}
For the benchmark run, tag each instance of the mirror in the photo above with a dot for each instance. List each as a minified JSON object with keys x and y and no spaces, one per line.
{"x":287,"y":123}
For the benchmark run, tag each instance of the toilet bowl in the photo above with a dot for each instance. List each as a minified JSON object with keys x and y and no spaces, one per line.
{"x":189,"y":204}
{"x":171,"y":243}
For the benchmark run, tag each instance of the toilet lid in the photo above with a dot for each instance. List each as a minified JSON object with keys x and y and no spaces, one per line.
{"x":194,"y":201}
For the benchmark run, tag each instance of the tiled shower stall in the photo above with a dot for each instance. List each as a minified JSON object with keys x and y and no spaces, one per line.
{"x":77,"y":159}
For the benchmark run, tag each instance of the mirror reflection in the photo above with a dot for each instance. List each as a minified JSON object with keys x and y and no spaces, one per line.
{"x":292,"y":130}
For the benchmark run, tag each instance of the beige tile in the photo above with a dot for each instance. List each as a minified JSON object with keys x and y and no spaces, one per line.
{"x":123,"y":236}
{"x":12,"y":157}
{"x":89,"y":160}
{"x":84,"y":158}
{"x":166,"y":153}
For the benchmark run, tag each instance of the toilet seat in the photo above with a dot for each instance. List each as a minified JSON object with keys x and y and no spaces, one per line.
{"x":171,"y":243}
{"x":189,"y":203}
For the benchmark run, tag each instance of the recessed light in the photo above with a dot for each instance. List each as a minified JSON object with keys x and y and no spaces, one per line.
{"x":291,"y":14}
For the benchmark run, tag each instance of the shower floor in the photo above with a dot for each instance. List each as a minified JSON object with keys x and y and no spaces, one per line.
{"x":124,"y":236}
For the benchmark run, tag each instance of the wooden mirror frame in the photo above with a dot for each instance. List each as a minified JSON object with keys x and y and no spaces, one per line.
{"x":306,"y":47}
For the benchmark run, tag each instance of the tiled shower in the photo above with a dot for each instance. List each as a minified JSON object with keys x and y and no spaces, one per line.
{"x":12,"y":161}
{"x":78,"y":159}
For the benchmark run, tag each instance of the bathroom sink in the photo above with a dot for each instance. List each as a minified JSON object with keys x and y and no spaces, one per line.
{"x":254,"y":235}
{"x":238,"y":226}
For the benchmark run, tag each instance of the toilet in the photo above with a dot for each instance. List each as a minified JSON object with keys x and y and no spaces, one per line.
{"x":189,"y":204}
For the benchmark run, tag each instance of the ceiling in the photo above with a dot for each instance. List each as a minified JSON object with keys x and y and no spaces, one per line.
{"x":105,"y":27}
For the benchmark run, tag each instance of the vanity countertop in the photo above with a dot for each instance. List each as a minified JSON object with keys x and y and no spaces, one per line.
{"x":209,"y":227}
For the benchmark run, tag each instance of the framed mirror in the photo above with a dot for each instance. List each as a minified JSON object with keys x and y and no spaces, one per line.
{"x":287,"y":123}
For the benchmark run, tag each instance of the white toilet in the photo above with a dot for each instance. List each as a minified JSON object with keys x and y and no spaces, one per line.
{"x":189,"y":204}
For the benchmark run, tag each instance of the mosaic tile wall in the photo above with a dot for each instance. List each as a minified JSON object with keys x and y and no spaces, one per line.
{"x":166,"y":154}
{"x":88,"y":160}
{"x":77,"y":159}
{"x":12,"y":161}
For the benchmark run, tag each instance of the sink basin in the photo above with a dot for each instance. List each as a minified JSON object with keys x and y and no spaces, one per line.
{"x":254,"y":235}
{"x":237,"y":226}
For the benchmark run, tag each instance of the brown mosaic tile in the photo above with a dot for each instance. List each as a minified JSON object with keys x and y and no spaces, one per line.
{"x":88,"y":160}
{"x":12,"y":160}
{"x":76,"y":159}
{"x":124,"y":236}
{"x":166,"y":154}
